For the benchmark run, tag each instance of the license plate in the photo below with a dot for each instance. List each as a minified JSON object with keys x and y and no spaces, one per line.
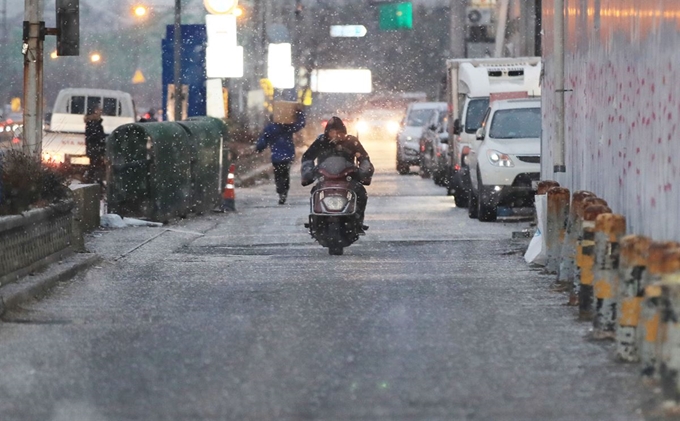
{"x":534,"y":184}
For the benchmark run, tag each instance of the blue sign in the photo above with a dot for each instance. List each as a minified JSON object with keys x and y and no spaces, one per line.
{"x":194,"y":41}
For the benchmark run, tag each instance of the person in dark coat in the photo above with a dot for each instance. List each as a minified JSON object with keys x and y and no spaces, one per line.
{"x":279,"y":138}
{"x":95,"y":144}
{"x":336,"y":142}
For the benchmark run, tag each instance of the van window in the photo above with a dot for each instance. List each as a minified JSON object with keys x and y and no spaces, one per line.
{"x":92,"y":103}
{"x":111,"y":107}
{"x":475,"y":113}
{"x":76,"y":105}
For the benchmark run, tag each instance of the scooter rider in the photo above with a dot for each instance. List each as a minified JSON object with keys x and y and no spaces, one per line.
{"x":336,"y":142}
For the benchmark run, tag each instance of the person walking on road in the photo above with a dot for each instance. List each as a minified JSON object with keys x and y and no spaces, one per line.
{"x":95,"y":144}
{"x":279,"y":138}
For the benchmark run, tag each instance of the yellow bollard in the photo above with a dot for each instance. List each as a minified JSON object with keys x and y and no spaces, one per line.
{"x":609,"y":229}
{"x":667,"y":348}
{"x":567,"y":268}
{"x":545,"y":185}
{"x":632,"y":267}
{"x":557,"y":216}
{"x":650,"y":316}
{"x":585,"y":259}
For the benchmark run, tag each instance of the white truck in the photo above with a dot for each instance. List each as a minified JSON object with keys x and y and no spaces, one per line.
{"x":64,"y":139}
{"x":470,"y":83}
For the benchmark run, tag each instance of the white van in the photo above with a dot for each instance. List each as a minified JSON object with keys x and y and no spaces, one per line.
{"x":64,"y":141}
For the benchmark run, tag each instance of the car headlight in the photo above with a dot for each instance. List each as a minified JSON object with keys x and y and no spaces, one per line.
{"x":499,"y":159}
{"x":393,"y":127}
{"x":334,"y":203}
{"x":362,"y":126}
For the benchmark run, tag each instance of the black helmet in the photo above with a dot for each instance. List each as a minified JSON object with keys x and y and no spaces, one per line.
{"x":335,"y":123}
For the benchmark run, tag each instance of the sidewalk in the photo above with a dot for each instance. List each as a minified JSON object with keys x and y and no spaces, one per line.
{"x":105,"y":246}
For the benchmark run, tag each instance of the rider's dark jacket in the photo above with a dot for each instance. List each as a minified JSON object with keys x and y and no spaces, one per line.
{"x":348,"y":147}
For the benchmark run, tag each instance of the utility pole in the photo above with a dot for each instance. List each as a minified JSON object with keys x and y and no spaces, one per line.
{"x":4,"y":22}
{"x":34,"y":32}
{"x":177,"y":60}
{"x":458,"y":31}
{"x":297,"y":44}
{"x":502,"y":25}
{"x":559,"y":161}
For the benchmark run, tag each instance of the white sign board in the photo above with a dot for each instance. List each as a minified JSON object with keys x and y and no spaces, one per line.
{"x":215,"y":99}
{"x":279,"y":69}
{"x":348,"y":30}
{"x":221,"y":30}
{"x":223,"y":62}
{"x":350,"y":81}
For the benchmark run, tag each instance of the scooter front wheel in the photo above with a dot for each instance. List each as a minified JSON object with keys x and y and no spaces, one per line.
{"x":335,"y":251}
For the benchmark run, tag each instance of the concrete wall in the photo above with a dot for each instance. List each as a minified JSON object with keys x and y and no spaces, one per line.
{"x":622,"y":137}
{"x":34,"y":239}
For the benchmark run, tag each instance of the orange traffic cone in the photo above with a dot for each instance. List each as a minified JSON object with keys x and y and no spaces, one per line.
{"x":229,"y":194}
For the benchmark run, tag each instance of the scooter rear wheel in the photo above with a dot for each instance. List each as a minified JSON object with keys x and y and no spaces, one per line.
{"x":335,"y":251}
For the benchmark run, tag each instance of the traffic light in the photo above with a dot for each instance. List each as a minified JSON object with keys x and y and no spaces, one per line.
{"x":396,"y":16}
{"x":68,"y":27}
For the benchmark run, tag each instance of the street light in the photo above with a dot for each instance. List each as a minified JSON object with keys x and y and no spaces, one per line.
{"x":220,"y":7}
{"x":95,"y":57}
{"x":140,"y":11}
{"x":54,"y":55}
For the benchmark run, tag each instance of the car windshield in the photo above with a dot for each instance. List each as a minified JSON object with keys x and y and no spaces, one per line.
{"x":519,"y":123}
{"x":419,"y":118}
{"x":475,"y":114}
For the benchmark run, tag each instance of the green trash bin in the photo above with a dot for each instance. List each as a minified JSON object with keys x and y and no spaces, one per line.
{"x":149,"y":171}
{"x":206,"y":135}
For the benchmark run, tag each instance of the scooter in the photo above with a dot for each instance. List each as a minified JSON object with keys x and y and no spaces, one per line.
{"x":333,"y":218}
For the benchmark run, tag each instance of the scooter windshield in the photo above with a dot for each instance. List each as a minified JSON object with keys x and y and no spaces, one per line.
{"x":335,"y":164}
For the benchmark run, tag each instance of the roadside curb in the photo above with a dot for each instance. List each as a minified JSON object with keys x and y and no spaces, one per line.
{"x":37,"y":286}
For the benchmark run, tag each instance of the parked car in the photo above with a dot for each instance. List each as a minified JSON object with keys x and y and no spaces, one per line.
{"x":505,"y":162}
{"x":377,"y":123}
{"x":65,"y":139}
{"x":418,"y":116}
{"x":434,"y":144}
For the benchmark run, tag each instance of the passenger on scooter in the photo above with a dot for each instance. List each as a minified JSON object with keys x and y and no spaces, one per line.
{"x":336,"y":142}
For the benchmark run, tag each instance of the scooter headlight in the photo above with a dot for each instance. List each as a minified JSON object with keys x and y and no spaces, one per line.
{"x":334,"y":203}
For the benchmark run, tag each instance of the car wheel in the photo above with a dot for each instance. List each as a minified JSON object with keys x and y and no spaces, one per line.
{"x":461,"y":199}
{"x":402,"y":168}
{"x":437,"y":179}
{"x":472,"y":206}
{"x":488,"y":211}
{"x":461,"y":196}
{"x":424,"y":167}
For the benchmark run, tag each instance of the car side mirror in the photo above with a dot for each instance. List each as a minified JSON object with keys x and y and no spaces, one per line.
{"x":456,"y":127}
{"x":480,"y":134}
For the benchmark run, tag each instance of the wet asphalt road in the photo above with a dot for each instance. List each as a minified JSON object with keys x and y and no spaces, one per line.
{"x":431,"y":316}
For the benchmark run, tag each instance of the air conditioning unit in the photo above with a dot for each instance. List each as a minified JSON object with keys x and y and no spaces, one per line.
{"x":476,"y":16}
